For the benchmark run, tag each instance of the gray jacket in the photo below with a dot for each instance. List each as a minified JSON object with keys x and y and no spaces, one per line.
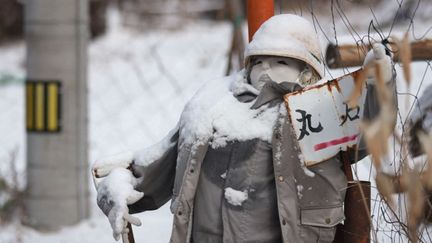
{"x":309,"y":216}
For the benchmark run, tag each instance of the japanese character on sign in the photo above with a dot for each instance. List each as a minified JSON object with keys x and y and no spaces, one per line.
{"x":351,"y":113}
{"x":306,"y":121}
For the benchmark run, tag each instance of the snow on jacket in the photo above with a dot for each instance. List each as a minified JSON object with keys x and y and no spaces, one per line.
{"x":309,"y":200}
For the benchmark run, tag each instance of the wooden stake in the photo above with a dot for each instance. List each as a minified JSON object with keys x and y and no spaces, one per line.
{"x":353,"y":55}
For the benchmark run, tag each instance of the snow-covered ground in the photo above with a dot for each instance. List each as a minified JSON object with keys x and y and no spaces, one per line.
{"x":134,"y":99}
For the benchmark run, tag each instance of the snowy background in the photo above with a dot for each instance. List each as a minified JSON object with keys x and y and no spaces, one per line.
{"x":138,"y":84}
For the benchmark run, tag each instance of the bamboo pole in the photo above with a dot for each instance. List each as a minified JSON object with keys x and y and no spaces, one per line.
{"x":351,"y":55}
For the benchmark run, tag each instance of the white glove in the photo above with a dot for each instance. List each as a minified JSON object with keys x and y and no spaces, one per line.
{"x":377,"y":56}
{"x":114,"y":193}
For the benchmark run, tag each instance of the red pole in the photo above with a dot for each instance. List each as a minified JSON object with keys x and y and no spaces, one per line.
{"x":258,"y":11}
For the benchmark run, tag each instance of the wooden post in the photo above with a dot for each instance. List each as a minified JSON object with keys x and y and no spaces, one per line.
{"x":235,"y":12}
{"x":356,"y":227}
{"x":353,"y":55}
{"x":258,"y":11}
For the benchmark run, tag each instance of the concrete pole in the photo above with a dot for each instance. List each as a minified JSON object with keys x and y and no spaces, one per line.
{"x":56,"y":37}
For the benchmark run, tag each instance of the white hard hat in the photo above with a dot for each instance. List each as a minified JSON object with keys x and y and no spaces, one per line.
{"x":287,"y":35}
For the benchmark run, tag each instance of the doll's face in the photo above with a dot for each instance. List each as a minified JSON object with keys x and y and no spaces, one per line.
{"x":277,"y":69}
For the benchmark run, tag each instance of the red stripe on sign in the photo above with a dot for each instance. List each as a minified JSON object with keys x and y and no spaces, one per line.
{"x":335,"y":142}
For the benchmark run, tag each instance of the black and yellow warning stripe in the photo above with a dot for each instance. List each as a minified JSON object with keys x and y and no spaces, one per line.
{"x":43,"y":106}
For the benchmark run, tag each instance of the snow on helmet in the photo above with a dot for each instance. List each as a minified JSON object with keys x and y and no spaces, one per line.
{"x":287,"y":35}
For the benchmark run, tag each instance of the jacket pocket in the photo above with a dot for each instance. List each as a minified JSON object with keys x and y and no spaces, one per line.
{"x":319,"y":224}
{"x":322,"y":217}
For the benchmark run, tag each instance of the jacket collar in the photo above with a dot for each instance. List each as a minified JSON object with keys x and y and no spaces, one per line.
{"x":271,"y":92}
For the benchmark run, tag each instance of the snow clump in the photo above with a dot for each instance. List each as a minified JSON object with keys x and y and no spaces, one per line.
{"x":207,"y":117}
{"x":234,"y":197}
{"x":299,"y":191}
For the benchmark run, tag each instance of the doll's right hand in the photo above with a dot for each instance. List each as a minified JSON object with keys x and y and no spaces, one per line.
{"x":114,"y":193}
{"x":102,"y":167}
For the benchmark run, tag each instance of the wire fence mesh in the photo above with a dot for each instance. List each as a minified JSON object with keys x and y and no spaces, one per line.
{"x":347,"y":22}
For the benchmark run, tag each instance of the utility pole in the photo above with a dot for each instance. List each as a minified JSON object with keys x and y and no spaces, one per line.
{"x":56,"y":112}
{"x":258,"y":11}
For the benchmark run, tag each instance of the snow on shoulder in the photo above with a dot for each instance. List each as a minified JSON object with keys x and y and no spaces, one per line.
{"x":234,"y":197}
{"x":215,"y":115}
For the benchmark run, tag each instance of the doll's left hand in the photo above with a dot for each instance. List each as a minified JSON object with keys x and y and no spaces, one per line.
{"x":378,"y":56}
